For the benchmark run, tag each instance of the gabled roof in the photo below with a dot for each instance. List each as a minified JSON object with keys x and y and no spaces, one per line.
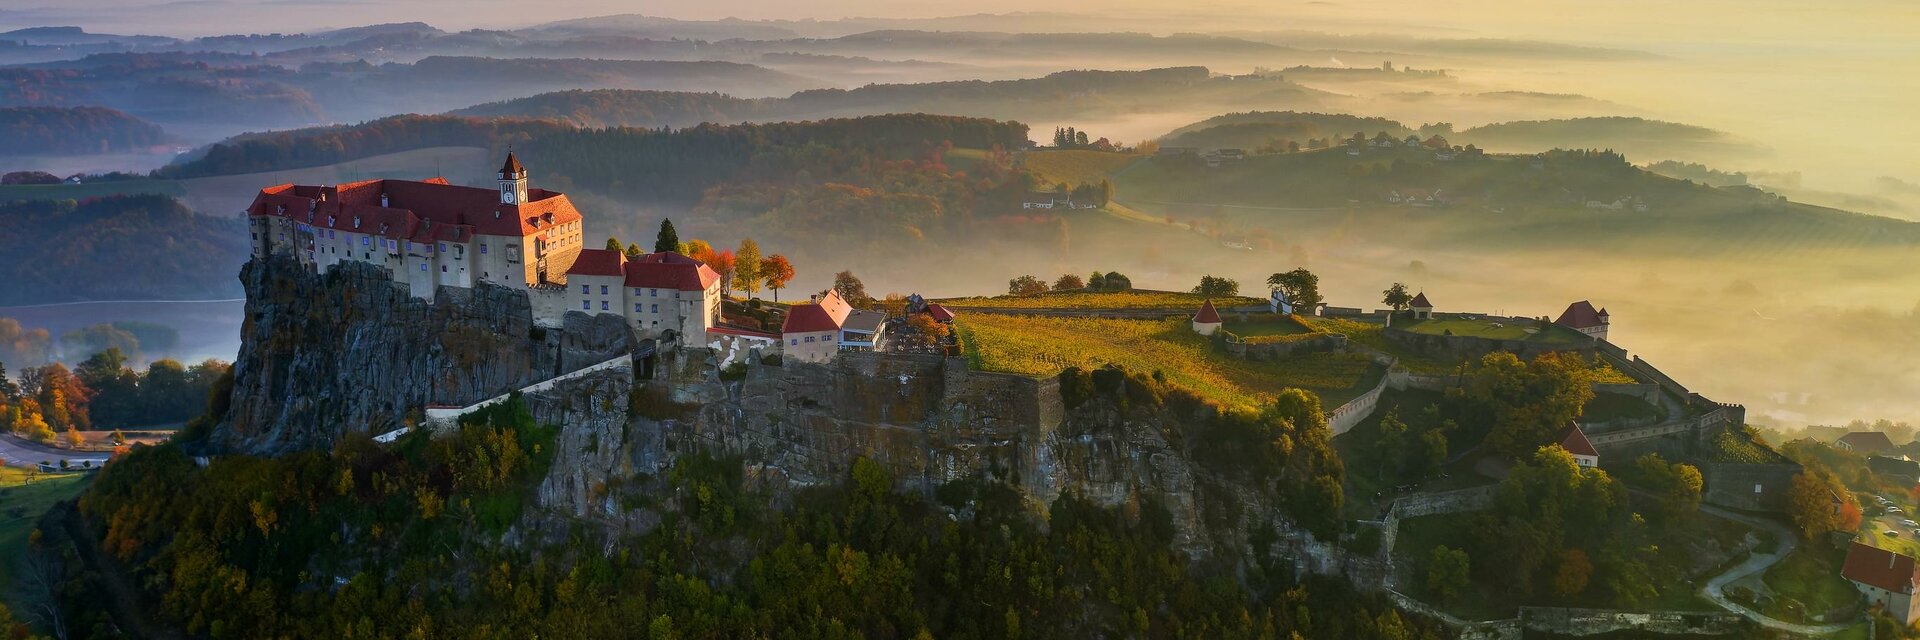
{"x":668,"y":270}
{"x":1876,"y":567}
{"x":1867,"y":441}
{"x":1575,"y":441}
{"x":1580,"y":315}
{"x":939,"y":312}
{"x":422,"y":211}
{"x":1420,"y":301}
{"x":829,"y":314}
{"x":598,"y":262}
{"x":1207,"y":314}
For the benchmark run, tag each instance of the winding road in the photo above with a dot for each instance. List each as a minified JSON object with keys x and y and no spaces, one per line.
{"x":1755,"y":563}
{"x":21,"y":453}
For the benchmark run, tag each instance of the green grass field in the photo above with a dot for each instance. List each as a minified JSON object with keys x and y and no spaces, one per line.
{"x":1044,"y":346}
{"x":1266,"y":325}
{"x":1099,"y":300}
{"x":1373,"y":335}
{"x":24,"y":497}
{"x":1075,"y":166}
{"x":1552,"y":334}
{"x":1812,"y":577}
{"x":11,"y":192}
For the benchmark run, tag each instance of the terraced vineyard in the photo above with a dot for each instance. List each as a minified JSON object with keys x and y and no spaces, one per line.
{"x":1043,"y":346}
{"x":1075,"y":166}
{"x":1155,"y":300}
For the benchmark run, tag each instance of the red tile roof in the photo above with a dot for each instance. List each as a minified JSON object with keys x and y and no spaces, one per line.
{"x":1207,"y":314}
{"x":939,"y":312}
{"x":669,"y":270}
{"x":1575,"y":441}
{"x":598,"y":262}
{"x":829,"y":314}
{"x":423,"y":211}
{"x":1580,"y":315}
{"x":1867,"y":441}
{"x":1876,"y":567}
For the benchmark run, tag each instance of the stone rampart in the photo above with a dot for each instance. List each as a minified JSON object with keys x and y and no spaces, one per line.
{"x":1588,"y":622}
{"x":1749,"y":487}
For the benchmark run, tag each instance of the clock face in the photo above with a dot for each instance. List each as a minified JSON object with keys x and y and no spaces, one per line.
{"x":506,"y":196}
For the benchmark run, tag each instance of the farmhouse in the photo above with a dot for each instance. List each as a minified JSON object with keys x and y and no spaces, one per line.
{"x":1582,"y":317}
{"x":1864,"y":442}
{"x":1886,"y":578}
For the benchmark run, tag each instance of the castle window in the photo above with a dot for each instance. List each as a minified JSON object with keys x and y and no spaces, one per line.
{"x":603,"y":305}
{"x":443,"y":268}
{"x":636,"y":293}
{"x":423,"y":266}
{"x":584,"y":290}
{"x":809,"y":338}
{"x":603,"y":289}
{"x":483,"y":248}
{"x":443,"y":246}
{"x":795,"y":342}
{"x":586,"y":306}
{"x":366,"y":241}
{"x":636,"y":307}
{"x":656,"y":309}
{"x":653,"y":293}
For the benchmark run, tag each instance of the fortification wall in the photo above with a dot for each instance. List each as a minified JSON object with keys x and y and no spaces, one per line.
{"x":1309,"y":343}
{"x":1749,"y":487}
{"x":1457,"y":347}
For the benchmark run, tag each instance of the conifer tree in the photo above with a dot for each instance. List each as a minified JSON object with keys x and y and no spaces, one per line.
{"x":669,"y":239}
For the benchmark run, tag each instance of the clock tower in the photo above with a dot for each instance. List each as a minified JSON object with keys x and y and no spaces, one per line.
{"x":513,"y":181}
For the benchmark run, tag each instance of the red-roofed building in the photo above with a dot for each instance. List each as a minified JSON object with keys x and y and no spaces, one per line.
{"x":1207,"y":321}
{"x":1575,"y":442}
{"x":1422,"y":309}
{"x":1582,"y":317}
{"x":657,"y":293}
{"x":812,"y":330}
{"x":1886,"y":578}
{"x":429,"y":233}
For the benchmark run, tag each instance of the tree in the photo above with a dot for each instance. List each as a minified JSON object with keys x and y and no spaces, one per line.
{"x":668,"y":239}
{"x":613,"y":244}
{"x":1571,"y":577}
{"x":927,"y":332}
{"x":1026,"y":286}
{"x":724,"y":264}
{"x":778,"y":272}
{"x":8,"y":390}
{"x":1080,"y":138}
{"x":1217,"y":287}
{"x":1525,"y":403}
{"x":851,"y":289}
{"x":1818,"y":503}
{"x":699,"y":250}
{"x":1301,"y":286}
{"x":74,"y":439}
{"x":1447,"y":571}
{"x":1068,"y":282}
{"x":1678,"y":485}
{"x":1391,"y":447}
{"x":1396,"y":297}
{"x":634,"y":251}
{"x":746,"y":268}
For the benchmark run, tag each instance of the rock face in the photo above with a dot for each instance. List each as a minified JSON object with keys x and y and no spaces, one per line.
{"x":351,"y":350}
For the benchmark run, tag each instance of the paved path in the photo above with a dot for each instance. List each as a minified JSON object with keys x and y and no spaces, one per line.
{"x":1758,"y":562}
{"x":21,"y":453}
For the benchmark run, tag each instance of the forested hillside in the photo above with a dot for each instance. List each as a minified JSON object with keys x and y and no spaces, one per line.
{"x":73,"y":130}
{"x":328,"y":145}
{"x":144,"y":247}
{"x":1639,"y":138}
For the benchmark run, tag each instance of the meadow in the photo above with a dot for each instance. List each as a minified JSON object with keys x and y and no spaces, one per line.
{"x":1044,"y":346}
{"x":1075,"y":166}
{"x":24,"y":496}
{"x":1496,"y":329}
{"x":1147,"y":300}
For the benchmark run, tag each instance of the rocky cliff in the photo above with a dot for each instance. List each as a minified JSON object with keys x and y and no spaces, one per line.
{"x":351,"y":350}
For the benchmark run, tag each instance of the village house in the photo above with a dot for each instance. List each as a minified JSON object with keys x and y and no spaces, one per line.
{"x":812,"y":330}
{"x":1582,"y":317}
{"x":1864,"y":442}
{"x":660,"y":294}
{"x":1575,"y":442}
{"x":1886,"y":578}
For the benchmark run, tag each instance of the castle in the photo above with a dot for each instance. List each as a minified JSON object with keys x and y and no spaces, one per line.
{"x":432,"y":233}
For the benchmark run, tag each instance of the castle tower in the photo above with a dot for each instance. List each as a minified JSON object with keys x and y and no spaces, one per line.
{"x":513,"y":181}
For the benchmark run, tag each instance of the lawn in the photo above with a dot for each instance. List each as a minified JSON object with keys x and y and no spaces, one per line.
{"x":1266,"y":325}
{"x":1043,"y":346}
{"x":1812,"y":577}
{"x":1503,"y":329}
{"x":1373,"y":335}
{"x":1074,"y":166}
{"x":13,"y":192}
{"x":24,"y":496}
{"x":1150,"y":300}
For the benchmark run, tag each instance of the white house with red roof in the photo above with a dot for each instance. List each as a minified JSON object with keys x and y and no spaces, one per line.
{"x":811,"y":332}
{"x":659,"y":294}
{"x":1886,"y":578}
{"x":1422,"y":309}
{"x":1207,"y":320}
{"x":1582,"y":317}
{"x":1575,"y":442}
{"x":429,"y":233}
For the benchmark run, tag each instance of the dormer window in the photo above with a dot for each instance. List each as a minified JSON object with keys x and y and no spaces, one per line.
{"x":383,"y":200}
{"x":356,"y":222}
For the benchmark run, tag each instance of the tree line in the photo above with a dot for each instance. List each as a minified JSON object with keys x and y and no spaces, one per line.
{"x":51,"y":402}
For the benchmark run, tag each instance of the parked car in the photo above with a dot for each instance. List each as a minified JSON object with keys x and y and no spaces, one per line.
{"x":1891,"y":533}
{"x":1910,"y":523}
